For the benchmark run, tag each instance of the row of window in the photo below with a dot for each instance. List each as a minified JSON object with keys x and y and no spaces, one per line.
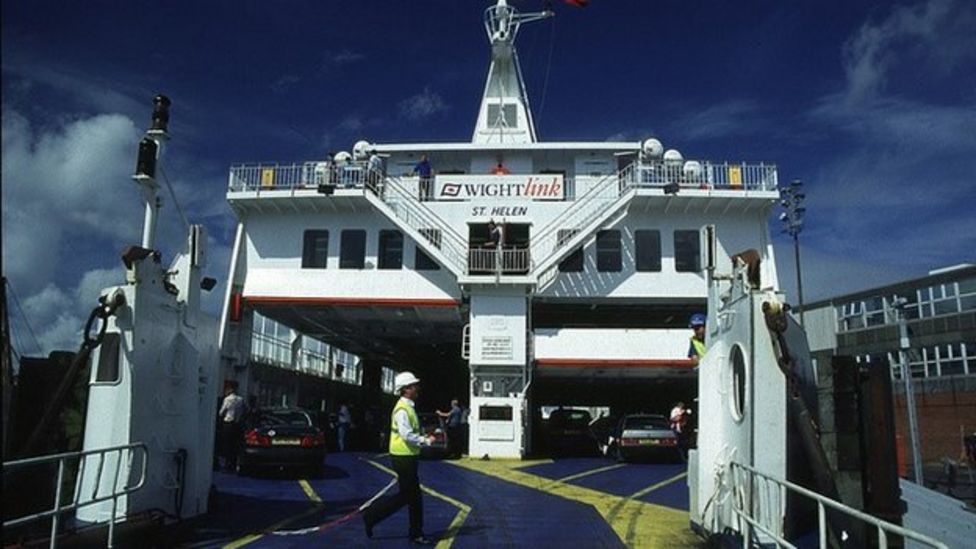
{"x":352,"y":250}
{"x":936,"y":361}
{"x":940,"y":299}
{"x":609,"y":250}
{"x":647,"y":252}
{"x":271,"y":343}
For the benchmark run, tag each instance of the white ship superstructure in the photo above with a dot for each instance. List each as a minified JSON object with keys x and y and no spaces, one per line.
{"x":594,"y":277}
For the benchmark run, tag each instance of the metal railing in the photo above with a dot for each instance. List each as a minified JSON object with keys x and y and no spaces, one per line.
{"x":126,"y":456}
{"x":304,"y":175}
{"x":314,"y":363}
{"x":498,"y":261}
{"x":408,"y":208}
{"x":773,"y":491}
{"x":710,"y":176}
{"x":271,"y":350}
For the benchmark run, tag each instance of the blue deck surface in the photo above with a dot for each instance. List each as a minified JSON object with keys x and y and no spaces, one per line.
{"x":501,"y":513}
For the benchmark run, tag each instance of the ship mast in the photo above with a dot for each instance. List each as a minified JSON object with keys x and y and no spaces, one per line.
{"x":504,"y":116}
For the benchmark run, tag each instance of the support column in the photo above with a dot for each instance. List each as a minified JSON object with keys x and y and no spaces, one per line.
{"x":500,"y":372}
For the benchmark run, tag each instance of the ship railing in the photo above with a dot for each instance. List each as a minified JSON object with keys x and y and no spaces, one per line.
{"x":758,"y":498}
{"x":407,"y":206}
{"x":501,"y":260}
{"x":111,"y":465}
{"x":304,"y":175}
{"x":706,"y":175}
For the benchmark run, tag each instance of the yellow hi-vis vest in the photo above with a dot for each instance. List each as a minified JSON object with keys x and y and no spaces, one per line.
{"x":699,"y":347}
{"x":398,"y":446}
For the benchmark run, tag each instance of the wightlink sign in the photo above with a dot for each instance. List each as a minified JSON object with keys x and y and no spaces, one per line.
{"x":471,"y":187}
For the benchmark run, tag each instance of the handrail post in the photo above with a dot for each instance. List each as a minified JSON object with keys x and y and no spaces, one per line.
{"x":57,"y":505}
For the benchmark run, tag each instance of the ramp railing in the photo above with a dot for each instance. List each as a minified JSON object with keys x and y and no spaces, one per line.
{"x":591,"y":210}
{"x":754,"y":493}
{"x":114,"y":471}
{"x":422,"y":224}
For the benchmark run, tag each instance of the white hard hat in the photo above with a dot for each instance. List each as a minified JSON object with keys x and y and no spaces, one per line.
{"x":404,"y":379}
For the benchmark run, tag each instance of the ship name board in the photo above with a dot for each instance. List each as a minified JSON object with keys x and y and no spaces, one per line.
{"x":468,"y":187}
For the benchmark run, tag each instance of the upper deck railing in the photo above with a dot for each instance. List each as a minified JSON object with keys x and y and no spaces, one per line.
{"x":647,"y":175}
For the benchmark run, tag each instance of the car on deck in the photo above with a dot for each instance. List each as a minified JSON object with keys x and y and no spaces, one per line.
{"x":282,"y":438}
{"x":569,"y":431}
{"x":432,"y":425}
{"x":643,"y":436}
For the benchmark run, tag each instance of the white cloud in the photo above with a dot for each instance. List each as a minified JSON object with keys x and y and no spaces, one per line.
{"x":932,"y":34}
{"x":735,"y":117}
{"x":423,"y":105}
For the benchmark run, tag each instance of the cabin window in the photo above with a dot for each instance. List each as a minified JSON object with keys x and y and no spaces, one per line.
{"x":422,"y":261}
{"x":108,"y":359}
{"x":391,"y":250}
{"x":315,"y":249}
{"x":687,"y":252}
{"x":647,"y":248}
{"x":574,"y":261}
{"x":352,"y":250}
{"x":608,"y":252}
{"x":507,"y":118}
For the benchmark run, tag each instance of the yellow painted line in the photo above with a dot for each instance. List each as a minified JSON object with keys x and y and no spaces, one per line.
{"x":309,"y":491}
{"x":641,"y":493}
{"x":452,"y":530}
{"x":636,"y":523}
{"x":590,"y":472}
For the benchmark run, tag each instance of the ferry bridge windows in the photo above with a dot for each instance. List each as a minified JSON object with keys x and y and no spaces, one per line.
{"x":687,"y":252}
{"x":647,"y":248}
{"x":315,"y":249}
{"x":608,"y":252}
{"x":422,"y":261}
{"x":391,"y":250}
{"x":352,"y":249}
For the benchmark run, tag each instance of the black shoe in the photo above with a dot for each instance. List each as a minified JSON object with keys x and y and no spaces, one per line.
{"x":421,"y":540}
{"x":368,"y":527}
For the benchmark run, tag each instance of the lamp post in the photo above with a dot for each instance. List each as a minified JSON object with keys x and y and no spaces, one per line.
{"x":791,"y":198}
{"x":906,"y":374}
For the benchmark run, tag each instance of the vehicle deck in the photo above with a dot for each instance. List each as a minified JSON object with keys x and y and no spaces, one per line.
{"x":572,"y":502}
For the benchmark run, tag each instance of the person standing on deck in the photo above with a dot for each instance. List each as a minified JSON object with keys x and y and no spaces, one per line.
{"x":423,"y":170}
{"x":696,"y":347}
{"x":405,"y":443}
{"x":452,"y":419}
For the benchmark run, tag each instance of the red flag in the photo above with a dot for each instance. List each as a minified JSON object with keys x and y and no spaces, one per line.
{"x":578,"y":3}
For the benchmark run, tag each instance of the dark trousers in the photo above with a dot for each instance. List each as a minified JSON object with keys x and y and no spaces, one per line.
{"x":230,"y":438}
{"x":409,"y":494}
{"x":454,"y":441}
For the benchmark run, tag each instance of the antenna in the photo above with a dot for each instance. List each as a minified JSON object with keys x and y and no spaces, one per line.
{"x":150,"y":148}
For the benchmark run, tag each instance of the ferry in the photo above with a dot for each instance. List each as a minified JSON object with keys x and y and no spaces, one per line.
{"x":512,"y":273}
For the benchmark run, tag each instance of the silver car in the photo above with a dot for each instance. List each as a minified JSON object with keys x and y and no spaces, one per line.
{"x":643,"y":435}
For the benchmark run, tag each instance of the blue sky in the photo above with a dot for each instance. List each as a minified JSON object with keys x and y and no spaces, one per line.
{"x":871,"y":104}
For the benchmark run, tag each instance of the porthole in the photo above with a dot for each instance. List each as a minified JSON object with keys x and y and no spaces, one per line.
{"x":738,"y":365}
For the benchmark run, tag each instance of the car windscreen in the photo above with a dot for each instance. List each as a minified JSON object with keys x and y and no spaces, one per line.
{"x":646,"y":423}
{"x":283,"y":418}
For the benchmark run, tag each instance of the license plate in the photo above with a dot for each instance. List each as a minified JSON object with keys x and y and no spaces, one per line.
{"x":649,"y":442}
{"x":285,"y":441}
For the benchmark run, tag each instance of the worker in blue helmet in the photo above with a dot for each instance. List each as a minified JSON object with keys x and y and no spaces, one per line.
{"x":696,"y":349}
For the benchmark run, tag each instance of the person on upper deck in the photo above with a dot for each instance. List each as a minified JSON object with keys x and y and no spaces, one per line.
{"x":500,"y":169}
{"x":423,"y":170}
{"x":494,"y":234}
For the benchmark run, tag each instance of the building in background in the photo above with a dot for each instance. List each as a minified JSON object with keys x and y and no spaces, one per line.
{"x":941,"y":315}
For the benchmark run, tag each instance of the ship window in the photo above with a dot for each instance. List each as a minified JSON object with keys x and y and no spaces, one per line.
{"x":647,"y":248}
{"x":422,"y":261}
{"x":574,"y":261}
{"x":507,"y":118}
{"x":352,"y":250}
{"x":315,"y":249}
{"x":108,"y":359}
{"x":738,"y":383}
{"x":608,"y":252}
{"x":391,"y":249}
{"x":687,"y":252}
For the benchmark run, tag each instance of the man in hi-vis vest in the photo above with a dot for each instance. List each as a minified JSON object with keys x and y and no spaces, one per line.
{"x":405,"y":442}
{"x":696,"y":349}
